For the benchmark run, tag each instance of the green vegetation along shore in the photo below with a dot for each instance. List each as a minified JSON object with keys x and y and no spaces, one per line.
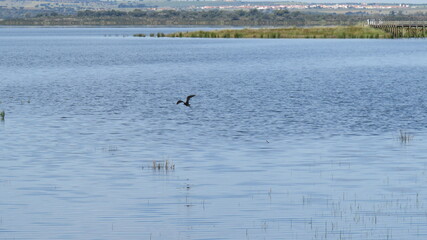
{"x":253,"y":18}
{"x":311,"y":32}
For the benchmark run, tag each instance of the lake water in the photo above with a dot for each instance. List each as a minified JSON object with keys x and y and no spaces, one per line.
{"x":285,"y":139}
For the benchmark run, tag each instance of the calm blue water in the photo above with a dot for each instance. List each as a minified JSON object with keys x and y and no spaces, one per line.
{"x":285,"y":139}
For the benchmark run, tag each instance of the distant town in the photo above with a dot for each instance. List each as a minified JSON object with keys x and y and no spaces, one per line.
{"x":77,"y":5}
{"x":312,"y":6}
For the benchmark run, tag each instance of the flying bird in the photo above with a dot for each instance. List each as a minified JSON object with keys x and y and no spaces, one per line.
{"x":187,"y":102}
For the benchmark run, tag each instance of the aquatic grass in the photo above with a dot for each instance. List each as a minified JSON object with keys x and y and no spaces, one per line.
{"x":405,"y":137}
{"x":159,"y":35}
{"x":2,"y":114}
{"x":162,"y":165}
{"x":294,"y":32}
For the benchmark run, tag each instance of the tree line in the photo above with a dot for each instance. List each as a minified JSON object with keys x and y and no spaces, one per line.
{"x":251,"y":17}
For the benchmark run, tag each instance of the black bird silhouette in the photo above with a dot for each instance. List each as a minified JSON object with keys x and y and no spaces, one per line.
{"x":187,"y":102}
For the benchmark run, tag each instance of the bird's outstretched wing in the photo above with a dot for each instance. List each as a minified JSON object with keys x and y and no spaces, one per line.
{"x":189,"y":97}
{"x":179,"y":101}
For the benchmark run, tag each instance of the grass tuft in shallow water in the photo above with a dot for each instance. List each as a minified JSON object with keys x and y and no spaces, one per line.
{"x":2,"y":114}
{"x":405,"y":137}
{"x":162,"y":165}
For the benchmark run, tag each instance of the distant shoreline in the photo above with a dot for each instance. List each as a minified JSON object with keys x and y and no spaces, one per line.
{"x":249,"y":18}
{"x":131,"y":26}
{"x":119,"y":26}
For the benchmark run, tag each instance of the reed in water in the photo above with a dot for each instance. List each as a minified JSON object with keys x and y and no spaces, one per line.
{"x":311,"y":32}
